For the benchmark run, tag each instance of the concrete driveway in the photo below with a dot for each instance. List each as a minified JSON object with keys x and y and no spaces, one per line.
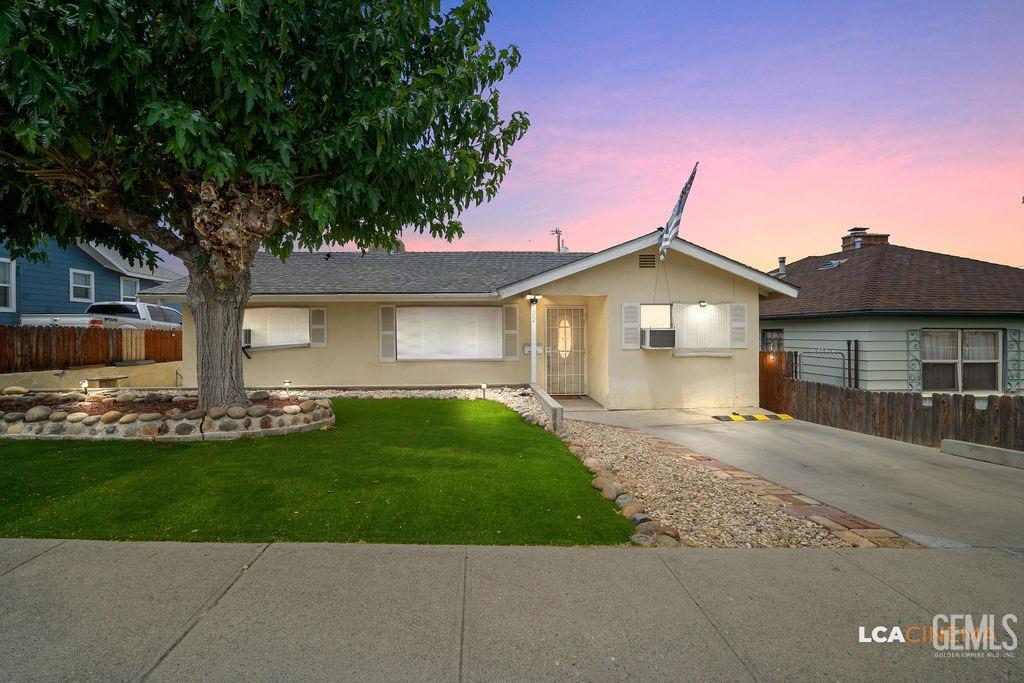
{"x":103,"y":611}
{"x":936,"y":499}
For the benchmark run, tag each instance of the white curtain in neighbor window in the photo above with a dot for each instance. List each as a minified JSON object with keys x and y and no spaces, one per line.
{"x":939,"y":345}
{"x":981,"y":345}
{"x":277,"y":326}
{"x":449,"y":332}
{"x":703,"y":328}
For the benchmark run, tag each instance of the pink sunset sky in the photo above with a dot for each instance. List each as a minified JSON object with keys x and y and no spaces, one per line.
{"x":807,"y":119}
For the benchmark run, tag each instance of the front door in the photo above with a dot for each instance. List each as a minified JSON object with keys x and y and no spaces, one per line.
{"x":565,"y":350}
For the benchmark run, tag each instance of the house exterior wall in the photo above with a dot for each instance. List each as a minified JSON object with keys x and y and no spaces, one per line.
{"x":616,"y":378}
{"x":884,"y":348}
{"x":647,"y":379}
{"x":44,"y":287}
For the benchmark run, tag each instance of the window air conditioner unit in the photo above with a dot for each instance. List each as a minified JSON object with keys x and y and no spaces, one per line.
{"x":246,"y":338}
{"x":658,"y":339}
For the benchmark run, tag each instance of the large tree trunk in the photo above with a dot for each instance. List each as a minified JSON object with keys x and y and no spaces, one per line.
{"x":218,"y":305}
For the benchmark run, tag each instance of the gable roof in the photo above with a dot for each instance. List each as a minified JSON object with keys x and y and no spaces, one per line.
{"x":767,"y":284}
{"x":446,"y":274}
{"x":889,"y":279}
{"x":109,"y":258}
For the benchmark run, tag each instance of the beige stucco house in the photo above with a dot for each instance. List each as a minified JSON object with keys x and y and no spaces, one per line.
{"x":619,"y":325}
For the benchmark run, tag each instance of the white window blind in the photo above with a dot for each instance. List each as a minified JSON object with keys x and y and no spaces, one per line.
{"x":277,"y":326}
{"x":450,"y":332}
{"x":706,"y":329}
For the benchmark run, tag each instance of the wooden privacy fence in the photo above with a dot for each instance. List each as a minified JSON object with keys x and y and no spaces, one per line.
{"x":24,"y":349}
{"x":894,"y":415}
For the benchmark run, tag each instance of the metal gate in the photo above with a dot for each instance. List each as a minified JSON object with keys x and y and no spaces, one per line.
{"x":565,"y":350}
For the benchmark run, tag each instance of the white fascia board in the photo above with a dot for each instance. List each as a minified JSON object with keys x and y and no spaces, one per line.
{"x":579,"y":266}
{"x":765,"y":282}
{"x":101,"y":259}
{"x":328,"y":298}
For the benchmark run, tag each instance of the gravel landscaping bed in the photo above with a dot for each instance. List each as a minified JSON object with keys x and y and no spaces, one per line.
{"x":707,"y":511}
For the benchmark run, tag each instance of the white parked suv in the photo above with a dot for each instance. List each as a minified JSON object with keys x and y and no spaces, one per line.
{"x":116,"y":315}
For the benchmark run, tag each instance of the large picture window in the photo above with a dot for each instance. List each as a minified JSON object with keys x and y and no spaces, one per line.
{"x":961,"y":360}
{"x":449,"y":332}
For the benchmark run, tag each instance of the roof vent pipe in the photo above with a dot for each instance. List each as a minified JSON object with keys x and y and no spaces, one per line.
{"x":782,"y":267}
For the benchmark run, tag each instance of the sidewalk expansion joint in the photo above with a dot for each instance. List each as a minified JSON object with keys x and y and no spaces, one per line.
{"x":707,"y":617}
{"x":198,"y":616}
{"x":462,"y":618}
{"x":39,"y":554}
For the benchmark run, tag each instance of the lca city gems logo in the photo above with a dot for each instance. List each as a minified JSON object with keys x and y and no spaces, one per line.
{"x":953,"y":635}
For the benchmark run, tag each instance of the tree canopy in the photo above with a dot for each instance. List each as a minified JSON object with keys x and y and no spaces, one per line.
{"x":308,"y":121}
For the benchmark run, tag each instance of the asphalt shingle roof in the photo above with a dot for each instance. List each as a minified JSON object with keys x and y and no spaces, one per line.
{"x":411,"y":272}
{"x":889,"y":278}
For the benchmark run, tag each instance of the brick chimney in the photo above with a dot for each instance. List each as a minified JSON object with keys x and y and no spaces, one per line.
{"x":856,"y":238}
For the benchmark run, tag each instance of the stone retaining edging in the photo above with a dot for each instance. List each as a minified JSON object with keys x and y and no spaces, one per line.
{"x":217,"y":424}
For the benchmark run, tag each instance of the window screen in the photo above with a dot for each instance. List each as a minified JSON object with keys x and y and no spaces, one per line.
{"x":449,"y":332}
{"x":704,"y":328}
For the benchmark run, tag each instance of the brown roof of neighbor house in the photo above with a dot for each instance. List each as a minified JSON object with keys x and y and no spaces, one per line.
{"x":889,"y":279}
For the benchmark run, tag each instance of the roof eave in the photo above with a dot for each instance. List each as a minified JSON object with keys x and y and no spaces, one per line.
{"x":149,"y":295}
{"x":893,"y":313}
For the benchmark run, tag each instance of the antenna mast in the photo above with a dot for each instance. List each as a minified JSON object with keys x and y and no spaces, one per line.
{"x":557,"y":232}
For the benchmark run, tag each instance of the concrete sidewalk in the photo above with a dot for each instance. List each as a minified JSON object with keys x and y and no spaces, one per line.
{"x":89,"y":610}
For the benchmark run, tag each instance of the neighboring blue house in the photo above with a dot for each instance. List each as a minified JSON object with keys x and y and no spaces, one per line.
{"x":71,"y":279}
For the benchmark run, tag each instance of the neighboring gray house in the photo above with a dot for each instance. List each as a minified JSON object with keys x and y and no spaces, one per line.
{"x":889,"y":318}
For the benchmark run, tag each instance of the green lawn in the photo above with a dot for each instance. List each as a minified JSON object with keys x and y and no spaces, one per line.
{"x":394,"y":471}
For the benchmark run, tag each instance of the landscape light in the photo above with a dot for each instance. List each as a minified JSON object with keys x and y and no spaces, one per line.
{"x":483,"y":390}
{"x":287,"y":385}
{"x":84,"y":384}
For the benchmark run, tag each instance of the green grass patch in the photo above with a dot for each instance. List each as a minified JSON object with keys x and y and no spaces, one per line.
{"x":394,"y":471}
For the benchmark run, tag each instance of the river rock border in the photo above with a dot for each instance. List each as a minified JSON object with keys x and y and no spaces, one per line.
{"x":175,"y":425}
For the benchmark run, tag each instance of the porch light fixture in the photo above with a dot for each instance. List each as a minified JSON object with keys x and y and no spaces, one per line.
{"x":771,"y":356}
{"x":703,"y":304}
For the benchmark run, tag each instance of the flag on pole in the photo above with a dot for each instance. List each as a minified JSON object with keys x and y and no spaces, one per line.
{"x":671,"y":228}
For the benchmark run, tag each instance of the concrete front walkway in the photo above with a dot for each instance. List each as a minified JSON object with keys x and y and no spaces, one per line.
{"x":106,"y":611}
{"x":936,"y":499}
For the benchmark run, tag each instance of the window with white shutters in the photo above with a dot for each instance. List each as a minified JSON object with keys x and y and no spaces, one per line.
{"x":449,"y":332}
{"x":277,"y":326}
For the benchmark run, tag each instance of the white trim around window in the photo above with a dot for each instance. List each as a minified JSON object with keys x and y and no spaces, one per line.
{"x":72,"y":286}
{"x":8,"y":285}
{"x":134,"y":296}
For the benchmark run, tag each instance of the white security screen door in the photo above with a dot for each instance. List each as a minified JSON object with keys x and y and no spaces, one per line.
{"x":565,"y":349}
